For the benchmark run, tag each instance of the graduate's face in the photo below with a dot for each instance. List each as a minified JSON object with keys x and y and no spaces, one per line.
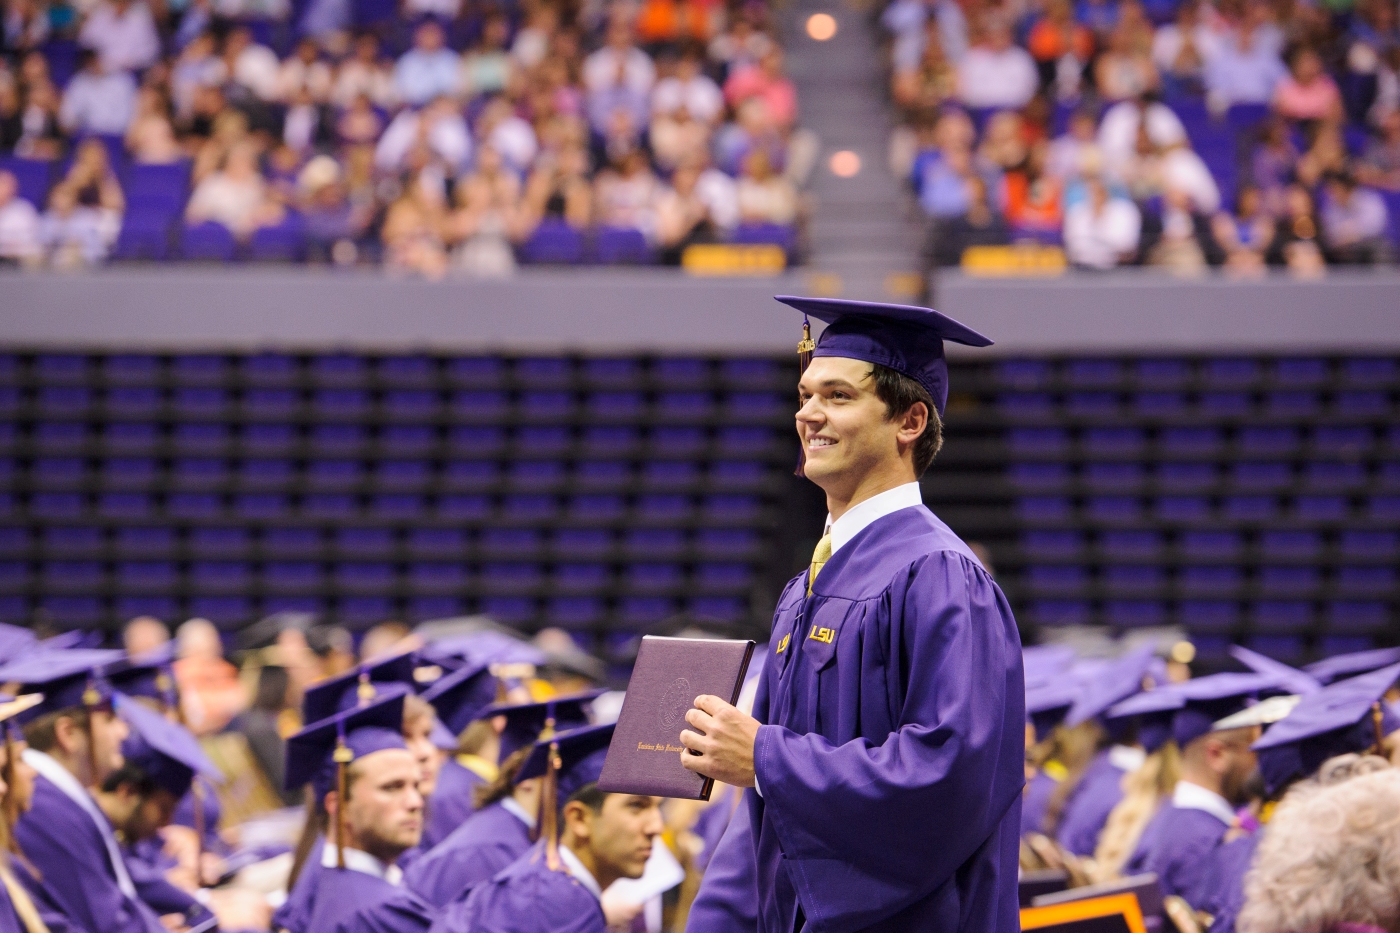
{"x":384,"y":812}
{"x":108,"y":733}
{"x":845,"y":428}
{"x":417,"y":733}
{"x":152,"y":813}
{"x":620,"y":835}
{"x":16,"y":777}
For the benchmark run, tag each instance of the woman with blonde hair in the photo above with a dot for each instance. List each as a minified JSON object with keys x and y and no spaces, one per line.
{"x":24,"y":907}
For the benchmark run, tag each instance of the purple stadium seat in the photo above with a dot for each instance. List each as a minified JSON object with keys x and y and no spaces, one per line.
{"x":676,"y":474}
{"x":71,"y":576}
{"x":732,"y":543}
{"x":604,"y":475}
{"x":292,"y":577}
{"x":1056,"y":579}
{"x":581,"y":579}
{"x":652,"y":578}
{"x":408,"y":439}
{"x":654,"y":542}
{"x":1288,"y":581}
{"x":34,"y":177}
{"x":1113,"y":476}
{"x":1356,"y":618}
{"x":476,"y":372}
{"x":1047,"y":509}
{"x":1281,"y":617}
{"x":511,"y":578}
{"x":59,"y":472}
{"x":1207,"y":615}
{"x":60,"y":437}
{"x":553,"y":241}
{"x":621,"y":245}
{"x":535,"y":475}
{"x":146,"y":234}
{"x":1133,"y":578}
{"x":146,"y":576}
{"x":463,"y":508}
{"x":63,"y":401}
{"x":285,"y":242}
{"x":767,"y":234}
{"x":396,"y":507}
{"x":338,"y":440}
{"x":529,"y":508}
{"x":1054,"y":612}
{"x":1290,"y":543}
{"x":1321,"y":508}
{"x":359,"y":577}
{"x":543,"y":441}
{"x":436,"y":542}
{"x":208,"y":242}
{"x":405,"y":372}
{"x":645,"y":609}
{"x":220,"y":542}
{"x":596,"y":508}
{"x":1114,"y":510}
{"x":437,"y":578}
{"x":574,"y":610}
{"x":1134,"y":613}
{"x":1052,"y":543}
{"x":723,"y":578}
{"x":606,"y":373}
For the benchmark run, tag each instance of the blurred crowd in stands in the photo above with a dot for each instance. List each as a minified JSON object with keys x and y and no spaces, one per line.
{"x":429,"y":134}
{"x":1184,"y":134}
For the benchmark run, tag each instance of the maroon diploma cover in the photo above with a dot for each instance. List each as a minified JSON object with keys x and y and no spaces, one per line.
{"x":644,"y":757}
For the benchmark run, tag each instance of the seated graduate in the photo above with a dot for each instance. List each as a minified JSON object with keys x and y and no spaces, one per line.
{"x":25,"y":907}
{"x":365,"y":782}
{"x":1097,"y":789}
{"x":1047,"y":704}
{"x":459,"y":698}
{"x":503,"y":827}
{"x":75,"y":744}
{"x":1324,"y":736}
{"x":1215,"y":770}
{"x":140,"y":799}
{"x":557,"y":885}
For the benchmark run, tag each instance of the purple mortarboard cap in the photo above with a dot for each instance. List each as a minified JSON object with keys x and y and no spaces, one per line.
{"x":166,"y":751}
{"x":1332,"y":721}
{"x":1041,"y":663}
{"x":148,"y":674}
{"x":65,"y":678}
{"x":471,"y":649}
{"x":460,"y":696}
{"x":1341,"y":666}
{"x":1047,"y":704}
{"x":11,"y":708}
{"x":581,"y":755}
{"x":15,"y":641}
{"x":1215,"y":697}
{"x":905,"y":338}
{"x":1122,"y":679}
{"x":337,"y":694}
{"x":1290,"y":679}
{"x":366,"y":729}
{"x":1153,"y":711}
{"x":442,"y":737}
{"x":74,"y":639}
{"x":526,"y":721}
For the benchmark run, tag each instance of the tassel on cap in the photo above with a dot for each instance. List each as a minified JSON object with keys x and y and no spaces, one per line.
{"x":549,"y":810}
{"x":92,"y":698}
{"x":805,"y":348}
{"x":365,"y":692}
{"x":342,"y":756}
{"x":1377,"y":720}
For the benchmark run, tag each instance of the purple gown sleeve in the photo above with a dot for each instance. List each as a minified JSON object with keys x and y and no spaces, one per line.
{"x":896,"y":820}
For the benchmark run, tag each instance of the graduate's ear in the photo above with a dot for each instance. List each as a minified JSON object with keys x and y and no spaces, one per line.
{"x":913,"y":423}
{"x":70,"y":737}
{"x":578,"y":819}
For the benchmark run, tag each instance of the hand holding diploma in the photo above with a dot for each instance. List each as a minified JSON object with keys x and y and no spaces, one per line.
{"x":725,"y":751}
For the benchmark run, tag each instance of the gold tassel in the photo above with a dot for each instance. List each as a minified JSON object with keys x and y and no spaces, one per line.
{"x":12,"y":798}
{"x":805,"y":348}
{"x":91,"y":697}
{"x":1376,"y":721}
{"x":549,"y":810}
{"x":343,"y":757}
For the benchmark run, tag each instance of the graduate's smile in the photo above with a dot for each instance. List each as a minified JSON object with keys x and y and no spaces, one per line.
{"x":816,"y":442}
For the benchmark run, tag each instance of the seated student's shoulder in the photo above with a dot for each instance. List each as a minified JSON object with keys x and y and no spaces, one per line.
{"x":526,"y":897}
{"x":401,"y":912}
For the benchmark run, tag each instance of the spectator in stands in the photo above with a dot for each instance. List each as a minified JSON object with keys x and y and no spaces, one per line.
{"x":927,"y":84}
{"x":1245,"y":70}
{"x":1245,"y":236}
{"x":42,"y":135}
{"x":1034,"y":198}
{"x":1307,"y":92}
{"x":688,"y":89}
{"x":1076,"y":148}
{"x":513,"y":138}
{"x":364,"y":74}
{"x":1004,"y":141}
{"x":412,"y":233}
{"x":123,"y":34}
{"x":676,"y":137}
{"x":305,"y":72}
{"x":253,"y":68}
{"x":486,"y":67}
{"x":1272,"y":165}
{"x":85,"y":210}
{"x":11,"y":115}
{"x":1297,"y":242}
{"x":198,"y":67}
{"x":1379,"y":165}
{"x":995,"y":72}
{"x":1326,"y":153}
{"x":487,"y":217}
{"x":1181,"y":49}
{"x":25,"y":25}
{"x":980,"y":225}
{"x":1354,"y":223}
{"x":151,"y":137}
{"x":1103,"y":229}
{"x":435,"y":133}
{"x":429,"y":69}
{"x":558,"y":190}
{"x":683,"y":218}
{"x":626,"y":194}
{"x":767,"y":82}
{"x":1125,"y":71}
{"x":532,"y":40}
{"x":619,"y":64}
{"x":359,"y":124}
{"x":1183,"y":243}
{"x":1099,"y":15}
{"x":144,"y":634}
{"x":210,"y":692}
{"x":19,"y":226}
{"x":765,"y":197}
{"x":98,"y":100}
{"x":1125,"y":122}
{"x":333,"y":223}
{"x":1061,"y":49}
{"x":743,"y":44}
{"x":236,"y":196}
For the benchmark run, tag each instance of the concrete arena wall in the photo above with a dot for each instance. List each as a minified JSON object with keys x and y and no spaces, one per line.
{"x":608,"y":311}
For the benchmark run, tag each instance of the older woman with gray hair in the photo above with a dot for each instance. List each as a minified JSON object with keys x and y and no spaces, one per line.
{"x":1330,"y":859}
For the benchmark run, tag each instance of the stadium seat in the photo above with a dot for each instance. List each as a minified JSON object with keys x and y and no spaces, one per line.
{"x":208,"y":242}
{"x":653,"y":543}
{"x":553,"y":242}
{"x":621,"y":245}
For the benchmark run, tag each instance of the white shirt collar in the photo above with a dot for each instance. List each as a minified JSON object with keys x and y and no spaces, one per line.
{"x":68,"y":785}
{"x":1188,"y":796}
{"x":1126,"y":757}
{"x":858,"y":516}
{"x":513,"y":807}
{"x":581,"y":874}
{"x":363,"y":862}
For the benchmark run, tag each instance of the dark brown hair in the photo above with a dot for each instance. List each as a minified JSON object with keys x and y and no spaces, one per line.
{"x":42,"y":733}
{"x":901,"y":393}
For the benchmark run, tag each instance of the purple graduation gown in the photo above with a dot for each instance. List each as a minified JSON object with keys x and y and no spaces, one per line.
{"x":1088,"y":806}
{"x":349,"y":901}
{"x":1175,"y":844}
{"x":158,"y":893}
{"x":43,"y":902}
{"x":892,"y":751}
{"x":66,"y":848}
{"x":487,"y":842}
{"x":453,"y":800}
{"x":295,"y":912}
{"x":1035,"y":801}
{"x":526,"y":897}
{"x":728,"y":896}
{"x":1220,"y":890}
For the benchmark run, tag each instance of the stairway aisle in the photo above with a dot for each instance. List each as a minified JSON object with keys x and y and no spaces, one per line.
{"x":859,"y":231}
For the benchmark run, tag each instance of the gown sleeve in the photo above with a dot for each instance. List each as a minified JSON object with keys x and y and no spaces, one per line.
{"x":951,"y":769}
{"x":728,"y":899}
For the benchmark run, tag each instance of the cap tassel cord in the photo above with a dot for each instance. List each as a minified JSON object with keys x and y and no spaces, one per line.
{"x":12,"y":798}
{"x":1377,"y":721}
{"x":91,"y":699}
{"x":549,"y":810}
{"x":805,"y":348}
{"x":342,"y":756}
{"x":197,"y":795}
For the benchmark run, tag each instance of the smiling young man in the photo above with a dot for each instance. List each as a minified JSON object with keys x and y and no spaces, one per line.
{"x":556,"y":887}
{"x":885,"y":754}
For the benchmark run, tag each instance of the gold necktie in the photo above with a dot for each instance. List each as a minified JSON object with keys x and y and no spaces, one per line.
{"x":820,"y":556}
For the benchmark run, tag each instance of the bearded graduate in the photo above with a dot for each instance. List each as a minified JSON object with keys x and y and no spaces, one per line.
{"x":884,"y":759}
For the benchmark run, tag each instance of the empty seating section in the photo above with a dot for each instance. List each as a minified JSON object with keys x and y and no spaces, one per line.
{"x":1246,"y":499}
{"x":541,"y":490}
